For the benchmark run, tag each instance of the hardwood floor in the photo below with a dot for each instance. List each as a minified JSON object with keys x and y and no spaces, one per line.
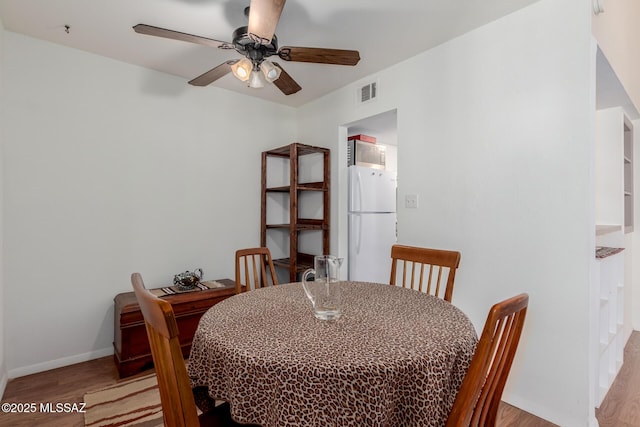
{"x":65,"y":385}
{"x":621,"y":406}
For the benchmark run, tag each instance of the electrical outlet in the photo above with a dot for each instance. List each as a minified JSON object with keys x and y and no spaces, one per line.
{"x":411,"y":201}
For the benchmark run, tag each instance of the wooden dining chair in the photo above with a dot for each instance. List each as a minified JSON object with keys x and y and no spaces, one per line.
{"x":412,"y":264}
{"x":251,"y":269}
{"x":477,"y":401}
{"x":176,"y":396}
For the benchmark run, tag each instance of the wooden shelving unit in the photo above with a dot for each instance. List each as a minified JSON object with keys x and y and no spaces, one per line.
{"x":296,"y":261}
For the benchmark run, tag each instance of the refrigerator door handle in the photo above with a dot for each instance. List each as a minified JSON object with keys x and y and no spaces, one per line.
{"x":359,"y":193}
{"x":358,"y":227}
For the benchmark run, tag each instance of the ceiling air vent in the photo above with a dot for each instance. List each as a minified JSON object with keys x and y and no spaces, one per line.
{"x":368,"y":92}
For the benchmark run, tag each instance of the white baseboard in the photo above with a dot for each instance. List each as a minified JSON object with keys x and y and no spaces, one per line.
{"x":58,"y":363}
{"x":4,"y":379}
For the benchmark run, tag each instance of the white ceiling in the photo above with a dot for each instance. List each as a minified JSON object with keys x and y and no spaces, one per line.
{"x":384,"y":32}
{"x":609,"y":90}
{"x":383,"y":126}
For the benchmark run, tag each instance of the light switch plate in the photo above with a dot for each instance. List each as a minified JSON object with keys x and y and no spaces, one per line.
{"x":411,"y":201}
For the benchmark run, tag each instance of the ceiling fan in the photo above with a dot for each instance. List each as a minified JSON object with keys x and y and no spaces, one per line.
{"x":257,"y":42}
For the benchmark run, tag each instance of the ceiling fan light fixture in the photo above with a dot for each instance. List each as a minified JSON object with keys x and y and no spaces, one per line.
{"x":255,"y":81}
{"x":242,"y":69}
{"x":256,"y":42}
{"x":270,"y":71}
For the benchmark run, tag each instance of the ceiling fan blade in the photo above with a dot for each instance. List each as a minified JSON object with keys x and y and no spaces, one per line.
{"x":285,"y":83}
{"x":263,"y":18}
{"x":176,"y":35}
{"x":319,"y":55}
{"x":213,"y":74}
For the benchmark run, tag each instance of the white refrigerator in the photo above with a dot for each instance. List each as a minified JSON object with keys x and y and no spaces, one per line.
{"x":372,"y":223}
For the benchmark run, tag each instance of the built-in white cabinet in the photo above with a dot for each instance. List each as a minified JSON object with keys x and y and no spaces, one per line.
{"x":611,"y":339}
{"x":628,"y":174}
{"x":614,"y":168}
{"x":613,"y":217}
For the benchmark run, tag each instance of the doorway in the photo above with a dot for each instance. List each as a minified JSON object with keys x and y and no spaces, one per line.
{"x":370,"y":235}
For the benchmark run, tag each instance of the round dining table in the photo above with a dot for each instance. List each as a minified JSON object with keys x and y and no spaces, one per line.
{"x":395,"y":358}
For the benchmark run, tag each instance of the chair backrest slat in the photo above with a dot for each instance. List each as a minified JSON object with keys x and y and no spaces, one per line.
{"x":409,"y":258}
{"x":256,"y":278}
{"x":257,"y":265}
{"x":438,"y":280}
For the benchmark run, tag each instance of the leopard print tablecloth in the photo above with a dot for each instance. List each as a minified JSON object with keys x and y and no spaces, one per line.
{"x":395,"y":358}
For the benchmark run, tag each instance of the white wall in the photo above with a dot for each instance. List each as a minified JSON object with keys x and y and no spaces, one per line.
{"x":3,"y":365}
{"x":111,"y":169}
{"x":497,"y":139}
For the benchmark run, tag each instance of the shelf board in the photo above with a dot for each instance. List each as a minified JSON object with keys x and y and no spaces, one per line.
{"x":303,"y":224}
{"x":609,"y":344}
{"x":286,"y":263}
{"x":312,"y":186}
{"x":305,"y":261}
{"x":302,"y":150}
{"x":603,"y":346}
{"x":305,"y":186}
{"x":299,"y":227}
{"x":603,"y":229}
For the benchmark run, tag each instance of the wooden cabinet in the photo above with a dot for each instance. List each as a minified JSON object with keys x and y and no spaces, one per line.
{"x":132,"y":353}
{"x":295,"y":205}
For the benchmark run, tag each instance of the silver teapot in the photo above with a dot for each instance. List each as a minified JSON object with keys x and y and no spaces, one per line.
{"x":188,"y":280}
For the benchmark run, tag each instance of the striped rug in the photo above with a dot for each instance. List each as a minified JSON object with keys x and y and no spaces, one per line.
{"x":134,"y":402}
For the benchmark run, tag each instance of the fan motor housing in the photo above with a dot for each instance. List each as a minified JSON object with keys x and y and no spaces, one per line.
{"x":253,"y":50}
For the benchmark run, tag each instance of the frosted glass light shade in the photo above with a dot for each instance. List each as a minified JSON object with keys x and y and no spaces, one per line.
{"x":270,"y":71}
{"x":256,"y":80}
{"x":242,"y":69}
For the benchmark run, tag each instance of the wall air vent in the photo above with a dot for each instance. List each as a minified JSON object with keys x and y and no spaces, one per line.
{"x":368,"y":92}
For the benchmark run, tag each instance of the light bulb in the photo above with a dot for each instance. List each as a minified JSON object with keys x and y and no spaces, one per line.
{"x":242,"y":72}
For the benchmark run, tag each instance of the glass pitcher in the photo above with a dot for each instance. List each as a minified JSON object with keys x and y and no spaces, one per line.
{"x":324,"y":290}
